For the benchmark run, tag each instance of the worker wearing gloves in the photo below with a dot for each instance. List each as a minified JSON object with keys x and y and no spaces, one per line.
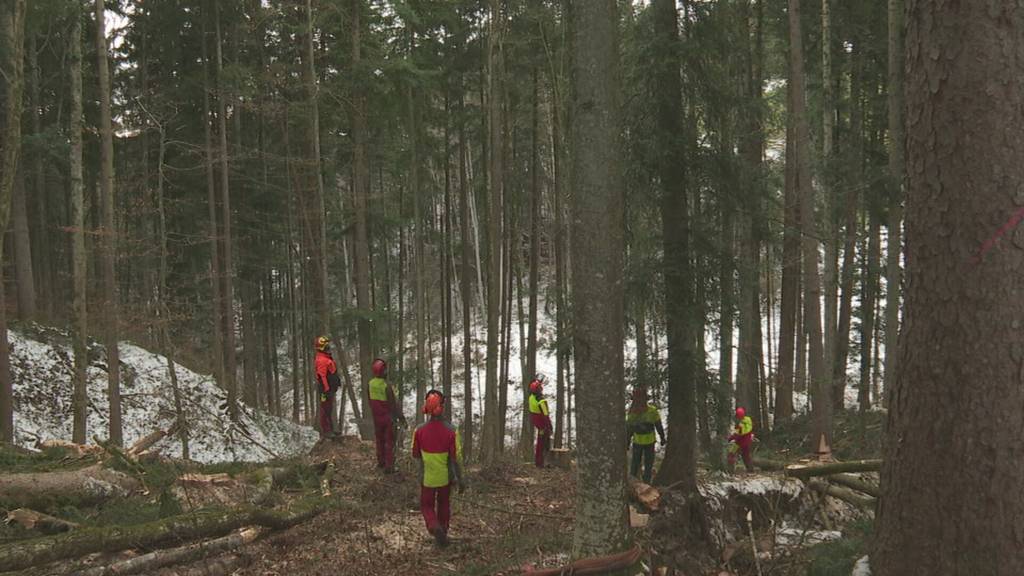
{"x":327,"y":384}
{"x":642,"y":421}
{"x":741,"y":440}
{"x":539,"y":417}
{"x":386,"y":412}
{"x":438,"y":447}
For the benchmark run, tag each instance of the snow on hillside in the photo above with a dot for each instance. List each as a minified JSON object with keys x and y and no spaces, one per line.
{"x":41,"y":371}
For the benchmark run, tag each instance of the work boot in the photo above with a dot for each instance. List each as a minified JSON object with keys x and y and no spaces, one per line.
{"x":440,"y":537}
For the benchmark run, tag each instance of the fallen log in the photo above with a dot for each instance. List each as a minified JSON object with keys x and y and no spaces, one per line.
{"x":856,"y":483}
{"x":184,"y":555}
{"x":593,"y":566}
{"x":82,"y":487}
{"x":844,"y":494}
{"x":646,"y":495}
{"x":75,"y":450}
{"x":32,"y":520}
{"x":186,"y":527}
{"x":808,"y":471}
{"x":148,"y":441}
{"x":766,"y":464}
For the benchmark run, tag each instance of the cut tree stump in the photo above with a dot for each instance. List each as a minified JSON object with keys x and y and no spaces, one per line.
{"x":82,"y":487}
{"x":646,"y":495}
{"x":560,"y":457}
{"x":184,"y":555}
{"x":808,"y":471}
{"x":844,"y":494}
{"x":32,"y":520}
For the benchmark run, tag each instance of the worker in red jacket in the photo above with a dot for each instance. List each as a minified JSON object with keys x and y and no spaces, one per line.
{"x":327,"y":384}
{"x":741,"y":440}
{"x":386,"y":413}
{"x":539,"y":417}
{"x":438,"y":447}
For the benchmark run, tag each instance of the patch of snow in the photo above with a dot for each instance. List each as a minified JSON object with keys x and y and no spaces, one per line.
{"x":862,"y":567}
{"x":42,"y":376}
{"x":791,"y":536}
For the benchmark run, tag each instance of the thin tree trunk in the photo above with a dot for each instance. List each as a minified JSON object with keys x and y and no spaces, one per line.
{"x":42,"y":248}
{"x":727,"y":287}
{"x":535,"y":228}
{"x":893,"y":245}
{"x":830,"y":228}
{"x":109,"y":234}
{"x":601,"y":522}
{"x":467,"y":294}
{"x":820,"y":385}
{"x":422,"y":366}
{"x":869,"y":281}
{"x":558,"y":154}
{"x":23,"y":273}
{"x":790,"y":292}
{"x":80,"y":399}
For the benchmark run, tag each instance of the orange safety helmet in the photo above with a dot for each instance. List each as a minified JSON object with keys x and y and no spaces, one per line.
{"x":537,"y":383}
{"x":322,"y":343}
{"x":379,"y":368}
{"x":434,"y":405}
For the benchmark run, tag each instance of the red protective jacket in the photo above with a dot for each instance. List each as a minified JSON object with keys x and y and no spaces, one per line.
{"x":326,"y":372}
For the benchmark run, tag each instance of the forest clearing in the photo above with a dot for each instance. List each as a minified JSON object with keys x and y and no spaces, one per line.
{"x":539,"y":287}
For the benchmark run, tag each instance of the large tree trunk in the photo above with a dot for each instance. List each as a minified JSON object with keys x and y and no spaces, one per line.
{"x":360,"y":197}
{"x":601,"y":525}
{"x":12,"y":26}
{"x":819,"y":382}
{"x":897,"y":174}
{"x":830,"y":228}
{"x":955,"y":410}
{"x":109,"y":234}
{"x":495,"y":186}
{"x":80,"y":399}
{"x":84,"y":487}
{"x":790,"y":297}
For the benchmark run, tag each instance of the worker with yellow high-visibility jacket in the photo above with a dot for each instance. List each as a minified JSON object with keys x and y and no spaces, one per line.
{"x":438,"y":447}
{"x":742,"y":439}
{"x":642,"y":421}
{"x":541,"y":419}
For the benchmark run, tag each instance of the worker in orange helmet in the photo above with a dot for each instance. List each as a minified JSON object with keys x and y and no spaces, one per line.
{"x":438,"y":447}
{"x":539,"y":417}
{"x":386,"y":412}
{"x":327,"y":384}
{"x":741,"y":440}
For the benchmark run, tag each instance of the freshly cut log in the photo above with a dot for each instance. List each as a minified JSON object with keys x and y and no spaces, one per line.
{"x":82,"y":487}
{"x":75,"y":450}
{"x":856,"y":483}
{"x":32,"y":520}
{"x":151,"y":439}
{"x":808,"y":471}
{"x":646,"y":495}
{"x":184,"y":555}
{"x":844,"y":494}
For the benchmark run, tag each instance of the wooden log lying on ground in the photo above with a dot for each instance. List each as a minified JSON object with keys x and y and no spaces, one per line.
{"x":186,"y":554}
{"x":808,"y":471}
{"x":220,"y":567}
{"x":844,"y":494}
{"x":766,"y":464}
{"x":186,"y":527}
{"x":858,"y":484}
{"x":32,"y":520}
{"x":74,"y":450}
{"x":83,"y":487}
{"x":593,"y":566}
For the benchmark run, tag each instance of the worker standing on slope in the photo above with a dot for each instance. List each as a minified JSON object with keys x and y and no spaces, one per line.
{"x":385,"y":414}
{"x":327,"y":384}
{"x":741,"y":440}
{"x":642,"y":421}
{"x":438,"y":447}
{"x":539,"y":417}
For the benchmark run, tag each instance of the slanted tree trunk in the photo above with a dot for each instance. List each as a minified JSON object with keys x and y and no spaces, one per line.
{"x":80,"y":399}
{"x":108,"y":243}
{"x":12,"y":27}
{"x":893,"y":246}
{"x":819,"y":382}
{"x":601,"y":524}
{"x":957,"y":391}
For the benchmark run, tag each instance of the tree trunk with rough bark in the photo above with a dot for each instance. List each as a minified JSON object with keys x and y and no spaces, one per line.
{"x":601,"y":523}
{"x":80,"y":399}
{"x":897,"y":175}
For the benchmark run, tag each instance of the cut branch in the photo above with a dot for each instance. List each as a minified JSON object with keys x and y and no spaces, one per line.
{"x":844,"y":494}
{"x":184,"y":555}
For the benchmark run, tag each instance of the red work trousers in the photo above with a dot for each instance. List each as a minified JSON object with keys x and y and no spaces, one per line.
{"x":435,"y":504}
{"x":543,"y":445}
{"x":326,"y":416}
{"x":384,"y":433}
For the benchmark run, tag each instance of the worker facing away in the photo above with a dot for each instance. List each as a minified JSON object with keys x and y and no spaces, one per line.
{"x":327,"y":384}
{"x":438,"y":447}
{"x":642,"y":422}
{"x":386,"y":413}
{"x":741,"y":440}
{"x":539,"y":417}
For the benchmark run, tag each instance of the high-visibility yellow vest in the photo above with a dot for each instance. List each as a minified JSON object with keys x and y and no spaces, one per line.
{"x":538,"y":406}
{"x":379,"y":389}
{"x":643,"y":425}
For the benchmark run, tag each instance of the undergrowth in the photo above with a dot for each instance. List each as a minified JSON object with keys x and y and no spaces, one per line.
{"x":837,"y":558}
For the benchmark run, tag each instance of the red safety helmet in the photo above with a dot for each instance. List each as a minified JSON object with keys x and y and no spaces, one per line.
{"x":322,"y":343}
{"x":379,"y":367}
{"x":740,"y":413}
{"x":537,"y":384}
{"x":434,"y":405}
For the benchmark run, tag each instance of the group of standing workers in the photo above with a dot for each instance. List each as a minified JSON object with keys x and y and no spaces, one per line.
{"x":437,"y":444}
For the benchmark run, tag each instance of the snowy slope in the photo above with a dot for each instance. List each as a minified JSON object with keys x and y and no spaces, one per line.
{"x":41,"y":371}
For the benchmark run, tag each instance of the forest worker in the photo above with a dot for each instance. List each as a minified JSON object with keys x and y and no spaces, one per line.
{"x":642,"y":421}
{"x":437,"y":445}
{"x":386,"y":413}
{"x":327,"y":384}
{"x":741,"y":440}
{"x":539,"y":417}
